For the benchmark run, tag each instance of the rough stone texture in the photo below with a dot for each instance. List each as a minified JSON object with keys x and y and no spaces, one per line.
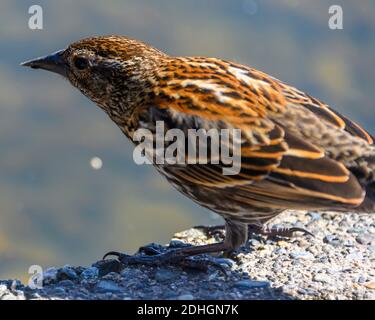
{"x":338,"y":263}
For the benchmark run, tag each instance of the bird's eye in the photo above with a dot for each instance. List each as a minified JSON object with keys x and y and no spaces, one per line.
{"x":81,"y":63}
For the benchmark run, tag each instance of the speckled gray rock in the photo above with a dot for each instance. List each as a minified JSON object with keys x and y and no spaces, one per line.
{"x":366,"y":238}
{"x":90,"y":273}
{"x":66,"y":273}
{"x":50,"y":275}
{"x":323,"y":278}
{"x":186,"y":297}
{"x":104,"y":286}
{"x":249,"y":284}
{"x":338,"y":263}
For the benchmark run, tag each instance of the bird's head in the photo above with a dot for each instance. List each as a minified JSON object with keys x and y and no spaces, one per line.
{"x":114,"y":71}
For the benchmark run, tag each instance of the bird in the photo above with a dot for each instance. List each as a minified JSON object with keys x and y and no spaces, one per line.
{"x":297,"y":153}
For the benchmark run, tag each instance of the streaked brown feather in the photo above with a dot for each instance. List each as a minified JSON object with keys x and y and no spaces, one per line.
{"x":274,"y":149}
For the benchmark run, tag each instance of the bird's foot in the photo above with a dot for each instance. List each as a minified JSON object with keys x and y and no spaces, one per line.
{"x":182,"y":257}
{"x":280,"y":231}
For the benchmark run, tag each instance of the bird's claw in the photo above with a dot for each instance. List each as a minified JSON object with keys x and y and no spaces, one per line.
{"x":268,"y":231}
{"x":149,"y":250}
{"x":171,"y":257}
{"x":112,"y":253}
{"x":281,"y":231}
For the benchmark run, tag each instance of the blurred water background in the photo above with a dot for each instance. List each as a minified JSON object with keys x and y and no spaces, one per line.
{"x":54,"y":207}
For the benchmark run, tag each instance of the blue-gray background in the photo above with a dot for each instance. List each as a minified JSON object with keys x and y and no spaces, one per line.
{"x":54,"y":208}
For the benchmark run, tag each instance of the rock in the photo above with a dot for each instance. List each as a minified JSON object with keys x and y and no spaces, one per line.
{"x":225,"y":262}
{"x":213,"y":295}
{"x":66,"y":283}
{"x":66,"y":273}
{"x":20,"y":294}
{"x":50,"y":275}
{"x":175,"y":243}
{"x":187,"y":296}
{"x":298,"y":224}
{"x":361,"y":279}
{"x":16,"y":284}
{"x":107,"y":266}
{"x":213,"y":276}
{"x":79,"y":270}
{"x":253,"y":242}
{"x":280,"y":251}
{"x":355,"y":230}
{"x":370,"y":285}
{"x":58,"y":291}
{"x":301,"y":255}
{"x":314,"y":216}
{"x":190,"y":234}
{"x":348,"y":243}
{"x":105,"y":286}
{"x":9,"y":296}
{"x":3,"y":290}
{"x":298,"y":268}
{"x":164,"y":275}
{"x":323,"y":278}
{"x":169,"y":294}
{"x":283,"y":244}
{"x":304,"y":242}
{"x":333,"y":240}
{"x":251,"y":284}
{"x":313,"y":250}
{"x":3,"y":287}
{"x":81,"y":296}
{"x":365,"y":238}
{"x":355,"y":255}
{"x":90,"y":273}
{"x":114,"y":276}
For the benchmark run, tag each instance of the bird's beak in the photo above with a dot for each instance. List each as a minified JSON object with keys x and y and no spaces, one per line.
{"x":53,"y":62}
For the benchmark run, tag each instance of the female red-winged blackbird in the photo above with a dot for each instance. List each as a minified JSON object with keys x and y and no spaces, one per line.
{"x":296,"y":152}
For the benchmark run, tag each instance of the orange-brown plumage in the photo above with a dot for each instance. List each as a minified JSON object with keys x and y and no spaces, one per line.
{"x":296,"y":152}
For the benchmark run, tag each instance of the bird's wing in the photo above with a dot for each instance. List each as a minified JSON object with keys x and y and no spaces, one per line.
{"x":324,"y":112}
{"x":292,"y":147}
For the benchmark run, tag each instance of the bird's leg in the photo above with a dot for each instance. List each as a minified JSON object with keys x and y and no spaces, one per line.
{"x":272,"y":231}
{"x":236,"y":235}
